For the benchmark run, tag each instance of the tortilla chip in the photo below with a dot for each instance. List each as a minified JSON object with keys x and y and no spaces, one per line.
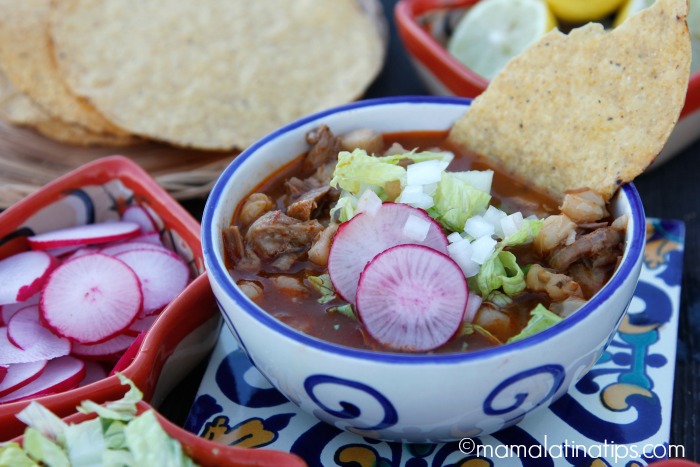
{"x":26,"y":57}
{"x":213,"y":74}
{"x":19,"y":109}
{"x":589,"y":110}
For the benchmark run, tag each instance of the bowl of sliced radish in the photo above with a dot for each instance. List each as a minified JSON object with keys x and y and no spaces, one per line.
{"x":95,"y":268}
{"x":408,"y":302}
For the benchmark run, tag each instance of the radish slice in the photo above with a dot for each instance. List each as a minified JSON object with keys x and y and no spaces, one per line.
{"x":115,"y":249}
{"x":162,"y":274}
{"x":140,"y":216}
{"x":60,"y":374}
{"x":150,"y":237}
{"x":84,"y":235}
{"x":361,"y":238}
{"x":22,"y":275}
{"x":94,"y":371}
{"x":21,"y":374}
{"x":140,"y":325}
{"x":8,"y":311}
{"x":108,"y":349}
{"x":91,"y":298}
{"x":26,"y":332}
{"x":411,"y":297}
{"x":11,"y":354}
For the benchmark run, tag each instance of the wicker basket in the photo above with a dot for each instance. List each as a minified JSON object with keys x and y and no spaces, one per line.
{"x":29,"y":160}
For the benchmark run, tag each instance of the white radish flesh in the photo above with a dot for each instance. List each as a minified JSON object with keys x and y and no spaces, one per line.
{"x":11,"y":354}
{"x":411,"y":297}
{"x":109,"y":349}
{"x":90,"y":234}
{"x":361,"y":238}
{"x":26,"y":332}
{"x":23,"y":275}
{"x":8,"y":311}
{"x":21,"y":374}
{"x":91,"y":298}
{"x":162,"y":274}
{"x":116,"y":248}
{"x":60,"y":374}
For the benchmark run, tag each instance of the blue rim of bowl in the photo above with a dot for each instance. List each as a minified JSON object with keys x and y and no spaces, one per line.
{"x":219,"y":273}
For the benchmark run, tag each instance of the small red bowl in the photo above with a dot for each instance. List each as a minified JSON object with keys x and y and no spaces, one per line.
{"x":419,"y":25}
{"x":207,"y":453}
{"x":179,"y":338}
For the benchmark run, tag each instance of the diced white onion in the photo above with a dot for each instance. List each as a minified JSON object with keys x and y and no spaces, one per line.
{"x":416,"y":228}
{"x":477,"y":227}
{"x":473,"y":304}
{"x":511,"y":223}
{"x":369,"y":202}
{"x":430,"y":188}
{"x":461,"y":252}
{"x":424,"y":173}
{"x":493,"y":216}
{"x":483,"y":248}
{"x":454,"y":237}
{"x":414,"y":196}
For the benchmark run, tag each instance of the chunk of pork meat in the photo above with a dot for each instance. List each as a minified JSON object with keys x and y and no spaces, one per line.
{"x":237,"y":252}
{"x":558,"y":286}
{"x":325,"y":147}
{"x":584,"y":206}
{"x":304,"y":207}
{"x":276,"y":234}
{"x":602,"y":244}
{"x":363,"y":138}
{"x":591,"y":277}
{"x":556,"y":230}
{"x":255,"y":206}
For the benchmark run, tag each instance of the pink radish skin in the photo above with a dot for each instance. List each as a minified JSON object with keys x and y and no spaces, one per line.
{"x":140,"y":216}
{"x":411,"y":297}
{"x":94,"y":371}
{"x":162,"y":274}
{"x":361,"y":238}
{"x":26,"y":332}
{"x":3,"y":372}
{"x":11,"y":354}
{"x":21,"y":374}
{"x":8,"y":311}
{"x":104,"y":350}
{"x":23,"y":275}
{"x":91,"y":298}
{"x":90,"y":234}
{"x":60,"y":374}
{"x":115,"y":249}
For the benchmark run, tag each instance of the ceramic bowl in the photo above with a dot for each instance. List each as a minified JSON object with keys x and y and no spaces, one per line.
{"x":408,"y":397}
{"x":179,"y":338}
{"x":423,"y":27}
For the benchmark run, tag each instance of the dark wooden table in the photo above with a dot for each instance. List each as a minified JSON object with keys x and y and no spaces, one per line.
{"x":671,"y":191}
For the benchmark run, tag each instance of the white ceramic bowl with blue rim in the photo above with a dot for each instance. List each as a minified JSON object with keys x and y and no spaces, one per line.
{"x":408,"y":397}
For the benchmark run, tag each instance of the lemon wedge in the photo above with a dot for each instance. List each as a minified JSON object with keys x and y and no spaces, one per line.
{"x":633,"y":6}
{"x":494,"y":31}
{"x":583,"y":11}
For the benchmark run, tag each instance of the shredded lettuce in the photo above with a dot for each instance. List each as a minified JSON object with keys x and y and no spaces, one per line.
{"x":323,"y":285}
{"x":540,"y":319}
{"x":501,"y":270}
{"x":118,"y":436}
{"x":358,"y":170}
{"x":527,"y":233}
{"x":456,"y":201}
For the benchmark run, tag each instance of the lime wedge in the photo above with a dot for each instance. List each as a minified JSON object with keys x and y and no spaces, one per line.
{"x":583,"y":11}
{"x":494,"y":31}
{"x":634,"y":6}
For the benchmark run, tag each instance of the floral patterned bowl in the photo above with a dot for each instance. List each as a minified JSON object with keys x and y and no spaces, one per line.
{"x":179,"y":338}
{"x":408,"y":397}
{"x":424,"y":25}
